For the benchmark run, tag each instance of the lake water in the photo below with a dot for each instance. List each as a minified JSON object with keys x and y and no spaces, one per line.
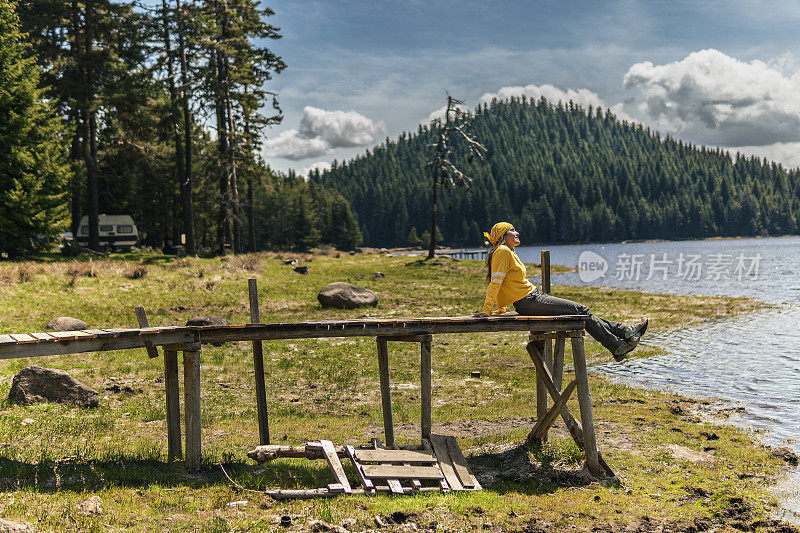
{"x":750,"y":361}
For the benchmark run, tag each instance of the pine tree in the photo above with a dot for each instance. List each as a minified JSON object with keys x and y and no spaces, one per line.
{"x":33,"y":170}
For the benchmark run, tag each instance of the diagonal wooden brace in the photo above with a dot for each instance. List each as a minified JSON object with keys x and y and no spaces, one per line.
{"x":544,"y":424}
{"x":535,"y":352}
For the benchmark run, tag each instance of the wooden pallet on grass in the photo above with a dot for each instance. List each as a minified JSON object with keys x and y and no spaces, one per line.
{"x":437,"y":466}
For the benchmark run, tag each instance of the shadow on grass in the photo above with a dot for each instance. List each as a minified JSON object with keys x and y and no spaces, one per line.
{"x":529,"y":469}
{"x":510,"y":470}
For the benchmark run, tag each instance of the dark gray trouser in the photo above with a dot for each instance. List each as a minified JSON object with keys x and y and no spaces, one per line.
{"x":609,"y":334}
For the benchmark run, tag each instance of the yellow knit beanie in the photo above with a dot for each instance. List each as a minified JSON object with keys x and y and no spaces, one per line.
{"x":498,"y":230}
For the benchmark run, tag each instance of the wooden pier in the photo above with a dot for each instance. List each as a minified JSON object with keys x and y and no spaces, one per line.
{"x":542,"y":330}
{"x":464,"y":254}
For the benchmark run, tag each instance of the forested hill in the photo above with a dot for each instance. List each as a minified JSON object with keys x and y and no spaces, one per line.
{"x":566,"y":174}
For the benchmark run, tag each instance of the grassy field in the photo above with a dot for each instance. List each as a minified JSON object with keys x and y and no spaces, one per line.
{"x":54,"y":458}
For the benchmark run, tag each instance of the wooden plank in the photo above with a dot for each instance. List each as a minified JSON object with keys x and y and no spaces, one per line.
{"x":445,"y":462}
{"x":258,"y":367}
{"x":81,"y":334}
{"x":98,"y":332}
{"x":42,"y":336}
{"x":365,"y":482}
{"x":403,"y":338}
{"x":64,"y":335}
{"x":401,"y":327}
{"x":141,"y":316}
{"x":546,"y":422}
{"x":394,"y":484}
{"x":425,"y":385}
{"x":585,"y":404}
{"x":23,"y":338}
{"x":171,"y":387}
{"x":7,"y":339}
{"x":335,"y":464}
{"x":386,"y":394}
{"x":460,"y":465}
{"x":65,"y":343}
{"x":402,"y":472}
{"x":191,"y":404}
{"x":394,"y":456}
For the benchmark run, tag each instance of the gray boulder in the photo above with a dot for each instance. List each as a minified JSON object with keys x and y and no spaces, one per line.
{"x":346,"y":296}
{"x":34,"y":384}
{"x":209,"y":320}
{"x":66,"y":323}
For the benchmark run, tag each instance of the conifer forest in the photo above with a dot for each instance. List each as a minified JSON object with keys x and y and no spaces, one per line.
{"x":564,"y":174}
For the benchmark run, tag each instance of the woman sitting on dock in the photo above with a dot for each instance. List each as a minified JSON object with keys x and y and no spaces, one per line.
{"x":508,"y":284}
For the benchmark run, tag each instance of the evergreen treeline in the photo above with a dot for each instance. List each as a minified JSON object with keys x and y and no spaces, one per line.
{"x":154,"y":110}
{"x":561,"y":173}
{"x":32,"y":163}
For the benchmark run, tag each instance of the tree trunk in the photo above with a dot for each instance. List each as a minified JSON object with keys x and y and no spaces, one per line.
{"x":75,"y":151}
{"x":432,"y":241}
{"x":90,"y":132}
{"x":186,"y":190}
{"x":226,"y":93}
{"x":76,"y":206}
{"x":251,"y":223}
{"x":224,"y":218}
{"x":173,"y":101}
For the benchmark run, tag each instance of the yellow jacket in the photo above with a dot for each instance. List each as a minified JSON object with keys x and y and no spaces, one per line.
{"x":508,"y":282}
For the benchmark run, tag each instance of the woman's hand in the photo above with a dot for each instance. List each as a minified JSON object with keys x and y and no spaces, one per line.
{"x":479,"y":314}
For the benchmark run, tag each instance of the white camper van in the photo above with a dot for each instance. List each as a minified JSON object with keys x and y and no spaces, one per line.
{"x":116,"y":232}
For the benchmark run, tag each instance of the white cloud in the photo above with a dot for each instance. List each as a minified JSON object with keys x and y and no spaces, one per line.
{"x":291,"y":145}
{"x":322,"y":131}
{"x":340,"y":129}
{"x":319,"y":165}
{"x":788,"y":154}
{"x":711,"y":98}
{"x":582,"y":97}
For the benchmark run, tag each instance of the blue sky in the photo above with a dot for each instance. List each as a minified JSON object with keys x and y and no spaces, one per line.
{"x":717,"y":73}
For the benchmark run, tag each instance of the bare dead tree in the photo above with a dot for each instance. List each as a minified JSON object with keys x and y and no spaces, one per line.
{"x":456,"y":125}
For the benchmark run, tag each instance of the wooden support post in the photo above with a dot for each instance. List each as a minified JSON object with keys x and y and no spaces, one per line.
{"x":258,"y":366}
{"x":546,"y":271}
{"x":173,"y":405}
{"x":573,"y":426}
{"x":141,"y":317}
{"x":558,"y":360}
{"x":386,"y":395}
{"x":541,"y":390}
{"x":585,"y":403}
{"x":425,"y":385}
{"x":191,"y":404}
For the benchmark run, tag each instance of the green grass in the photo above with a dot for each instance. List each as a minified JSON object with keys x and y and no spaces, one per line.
{"x":53,"y":457}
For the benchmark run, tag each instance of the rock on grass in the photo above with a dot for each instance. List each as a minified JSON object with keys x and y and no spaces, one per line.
{"x":66,"y":323}
{"x":34,"y":384}
{"x":346,"y":296}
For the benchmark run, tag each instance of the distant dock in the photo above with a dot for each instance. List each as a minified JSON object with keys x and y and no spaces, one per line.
{"x":464,"y":254}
